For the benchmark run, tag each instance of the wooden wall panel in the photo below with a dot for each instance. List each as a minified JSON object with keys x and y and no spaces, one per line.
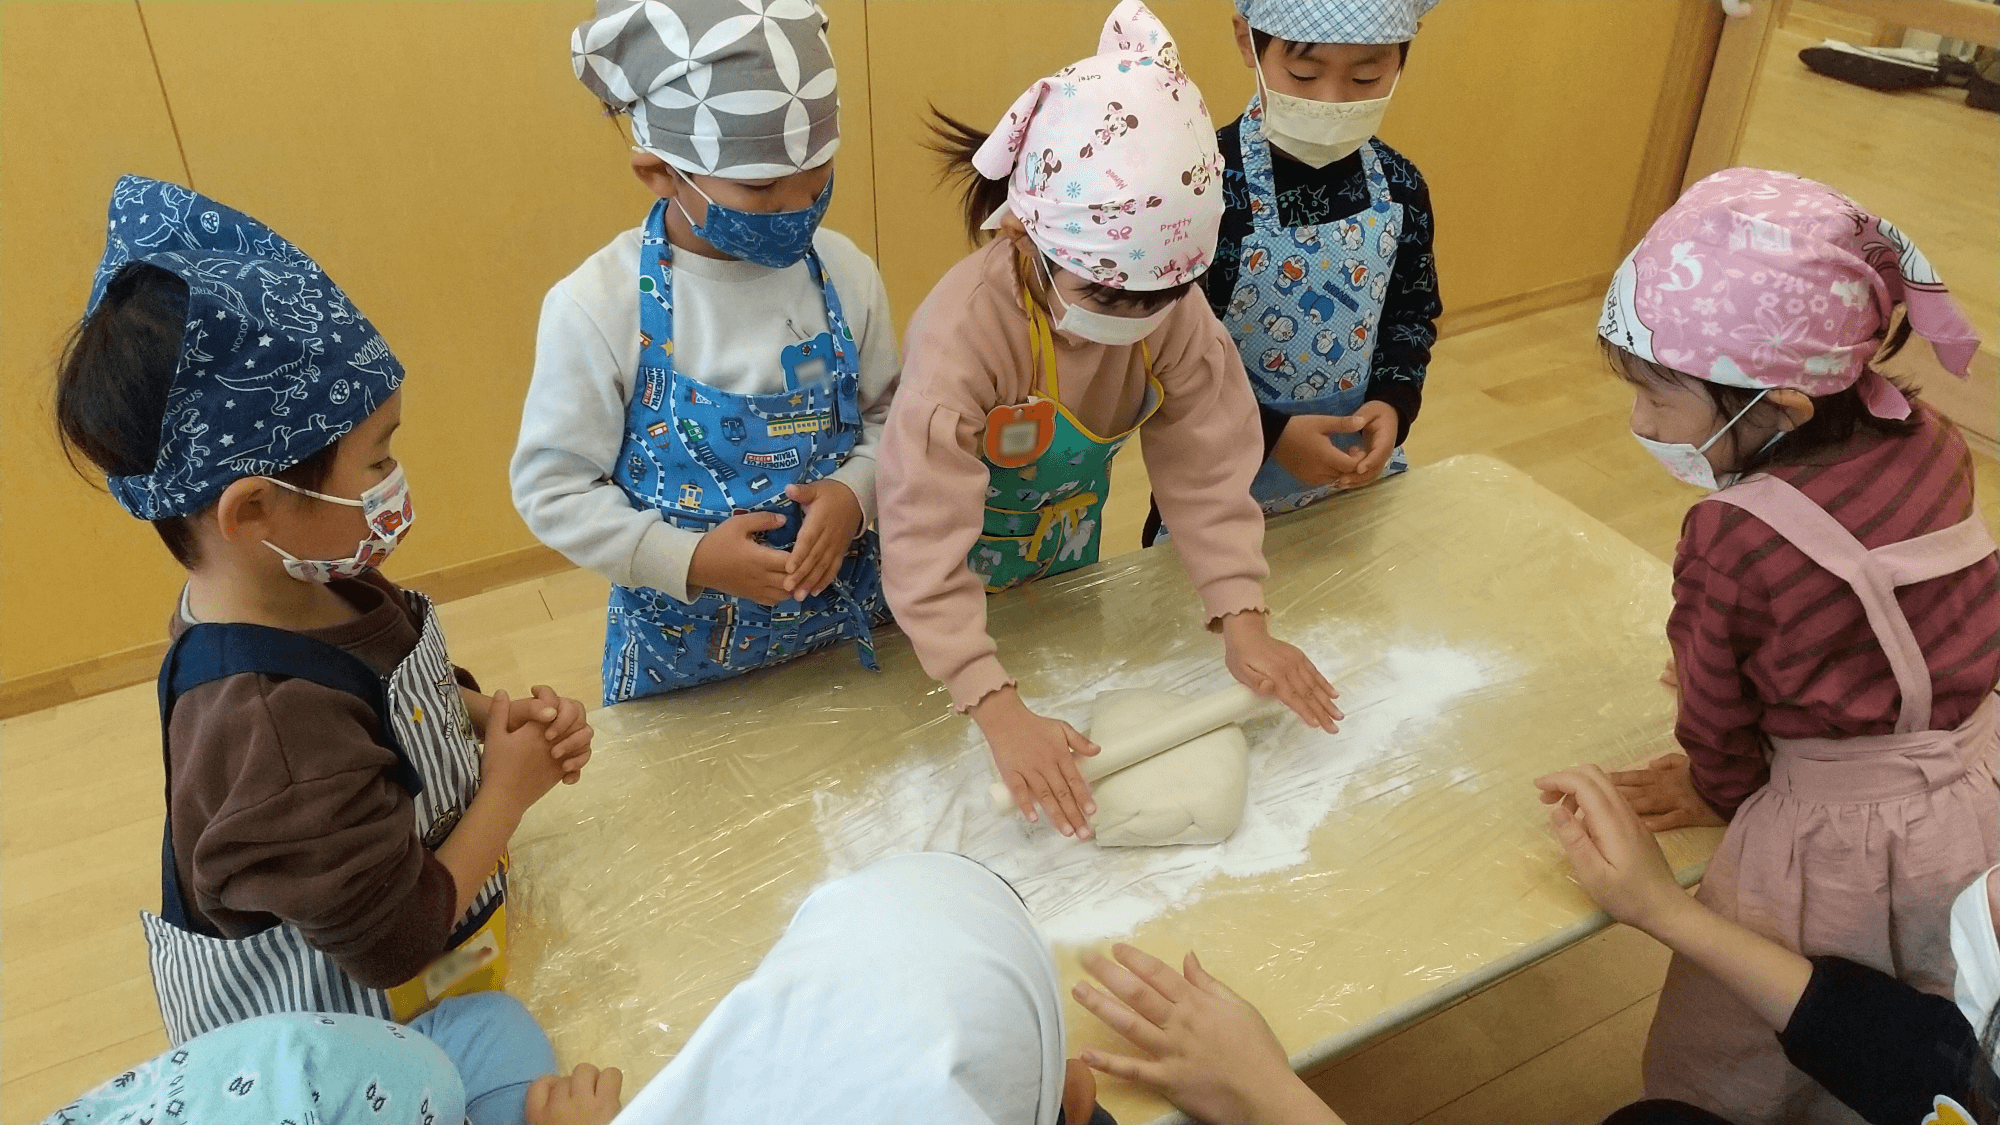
{"x":445,"y":165}
{"x":79,"y":105}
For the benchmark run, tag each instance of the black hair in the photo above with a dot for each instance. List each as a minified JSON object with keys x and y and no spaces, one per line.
{"x":1836,"y":417}
{"x":958,"y":142}
{"x":979,"y":196}
{"x":112,"y":384}
{"x":1262,"y":40}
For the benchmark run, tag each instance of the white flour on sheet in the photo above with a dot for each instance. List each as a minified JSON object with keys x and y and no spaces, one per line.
{"x":1081,"y":893}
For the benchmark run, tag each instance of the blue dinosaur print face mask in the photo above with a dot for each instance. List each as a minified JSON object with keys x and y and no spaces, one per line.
{"x":774,"y":239}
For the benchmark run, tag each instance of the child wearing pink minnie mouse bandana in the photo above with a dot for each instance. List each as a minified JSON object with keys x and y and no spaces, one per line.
{"x":1038,"y":356}
{"x":1836,"y":624}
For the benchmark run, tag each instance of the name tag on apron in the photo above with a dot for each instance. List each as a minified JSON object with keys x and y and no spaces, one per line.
{"x":477,"y":964}
{"x":1018,"y":435}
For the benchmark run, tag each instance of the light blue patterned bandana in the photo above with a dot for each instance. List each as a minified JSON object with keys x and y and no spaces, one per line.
{"x":292,"y":1067}
{"x":1336,"y":21}
{"x":276,"y":363}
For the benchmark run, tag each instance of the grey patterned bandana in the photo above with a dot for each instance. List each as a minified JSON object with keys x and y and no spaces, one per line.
{"x":742,"y":89}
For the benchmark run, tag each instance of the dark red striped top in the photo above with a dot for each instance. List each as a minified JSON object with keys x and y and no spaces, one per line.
{"x":1768,"y":643}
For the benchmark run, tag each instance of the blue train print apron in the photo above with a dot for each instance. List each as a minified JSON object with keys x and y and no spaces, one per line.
{"x":699,"y":455}
{"x":1307,"y":304}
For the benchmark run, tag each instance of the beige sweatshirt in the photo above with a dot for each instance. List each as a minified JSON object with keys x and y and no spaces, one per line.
{"x":967,"y":352}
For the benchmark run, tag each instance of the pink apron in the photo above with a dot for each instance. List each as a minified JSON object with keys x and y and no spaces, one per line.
{"x":1855,"y":848}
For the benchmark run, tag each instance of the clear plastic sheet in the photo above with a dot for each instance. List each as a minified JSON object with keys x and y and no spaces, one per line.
{"x":1481,"y":630}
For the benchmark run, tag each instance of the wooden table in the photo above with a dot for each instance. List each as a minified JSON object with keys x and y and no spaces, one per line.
{"x":1483,"y":631}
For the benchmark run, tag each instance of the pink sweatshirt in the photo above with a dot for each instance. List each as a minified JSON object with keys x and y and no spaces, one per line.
{"x":967,"y":352}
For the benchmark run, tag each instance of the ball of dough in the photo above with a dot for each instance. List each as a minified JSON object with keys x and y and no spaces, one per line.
{"x":1191,"y":794}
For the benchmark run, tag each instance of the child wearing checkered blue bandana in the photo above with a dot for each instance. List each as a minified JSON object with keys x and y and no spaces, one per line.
{"x":1323,"y":271}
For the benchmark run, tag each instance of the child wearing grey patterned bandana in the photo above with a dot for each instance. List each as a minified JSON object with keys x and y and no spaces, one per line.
{"x":710,"y":387}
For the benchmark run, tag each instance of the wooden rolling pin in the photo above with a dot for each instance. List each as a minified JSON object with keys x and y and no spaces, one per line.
{"x":1189,"y":721}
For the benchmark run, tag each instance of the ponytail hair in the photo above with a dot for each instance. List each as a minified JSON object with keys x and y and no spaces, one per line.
{"x":112,"y":383}
{"x":957,"y":142}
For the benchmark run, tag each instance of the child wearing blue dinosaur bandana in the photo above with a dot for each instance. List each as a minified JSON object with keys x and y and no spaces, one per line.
{"x":336,"y":835}
{"x":710,"y":387}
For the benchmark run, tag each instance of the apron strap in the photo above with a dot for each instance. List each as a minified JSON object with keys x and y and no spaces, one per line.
{"x":1042,"y":345}
{"x":209,"y":652}
{"x":1874,"y":575}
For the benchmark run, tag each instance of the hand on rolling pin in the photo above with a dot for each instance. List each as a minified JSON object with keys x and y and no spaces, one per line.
{"x":1208,"y":1050}
{"x":1036,"y":758}
{"x":1269,"y":666}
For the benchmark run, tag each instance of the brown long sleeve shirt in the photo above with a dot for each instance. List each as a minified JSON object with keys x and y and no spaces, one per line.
{"x":285,"y":806}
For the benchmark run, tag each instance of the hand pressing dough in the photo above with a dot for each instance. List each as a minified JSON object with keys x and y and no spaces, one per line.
{"x":1191,"y":794}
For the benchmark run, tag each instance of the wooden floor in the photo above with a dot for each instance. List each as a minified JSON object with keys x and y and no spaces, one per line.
{"x":80,"y":803}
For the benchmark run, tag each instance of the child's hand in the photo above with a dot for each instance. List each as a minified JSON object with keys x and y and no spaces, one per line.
{"x":1269,"y":666}
{"x":1305,"y":448}
{"x":1210,"y":1052}
{"x":731,"y":560}
{"x":518,"y":767}
{"x":1664,"y":796}
{"x":587,"y":1096}
{"x":833,"y":519}
{"x":1618,"y":862}
{"x":1378,"y":441}
{"x":1036,"y":760}
{"x":1671,"y":675}
{"x":569,"y":736}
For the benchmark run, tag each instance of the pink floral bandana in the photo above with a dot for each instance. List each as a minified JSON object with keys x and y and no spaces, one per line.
{"x":1763,"y":279}
{"x":1111,"y":163}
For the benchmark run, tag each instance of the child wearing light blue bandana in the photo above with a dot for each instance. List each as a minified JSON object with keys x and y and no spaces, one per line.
{"x":710,"y":387}
{"x":469,"y":1059}
{"x":336,"y":834}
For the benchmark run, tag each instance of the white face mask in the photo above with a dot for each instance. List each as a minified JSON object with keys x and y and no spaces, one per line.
{"x":386,"y":507}
{"x":1097,"y":327}
{"x":1977,"y":951}
{"x":1318,"y":133}
{"x":1687,"y":463}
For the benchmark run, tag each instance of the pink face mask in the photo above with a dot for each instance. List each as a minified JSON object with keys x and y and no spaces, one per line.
{"x":386,"y":507}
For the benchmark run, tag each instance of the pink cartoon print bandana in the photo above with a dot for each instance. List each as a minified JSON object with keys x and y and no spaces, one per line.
{"x":1764,"y":279}
{"x":1111,"y":163}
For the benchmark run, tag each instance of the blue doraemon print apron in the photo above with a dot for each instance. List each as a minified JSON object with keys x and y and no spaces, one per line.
{"x":699,"y":455}
{"x":1307,"y":304}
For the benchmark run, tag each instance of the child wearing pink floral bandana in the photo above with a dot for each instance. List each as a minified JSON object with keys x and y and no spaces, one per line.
{"x":1038,"y":356}
{"x":1836,"y":621}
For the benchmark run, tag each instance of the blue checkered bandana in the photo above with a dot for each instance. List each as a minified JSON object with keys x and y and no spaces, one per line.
{"x":276,"y":363}
{"x":1336,"y":21}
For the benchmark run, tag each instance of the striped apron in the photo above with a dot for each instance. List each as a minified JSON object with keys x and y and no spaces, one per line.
{"x":204,"y":980}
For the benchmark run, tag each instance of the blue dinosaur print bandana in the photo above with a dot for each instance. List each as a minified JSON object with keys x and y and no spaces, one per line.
{"x":276,"y":363}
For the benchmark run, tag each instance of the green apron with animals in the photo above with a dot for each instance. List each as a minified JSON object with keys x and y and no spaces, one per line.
{"x":1048,"y":475}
